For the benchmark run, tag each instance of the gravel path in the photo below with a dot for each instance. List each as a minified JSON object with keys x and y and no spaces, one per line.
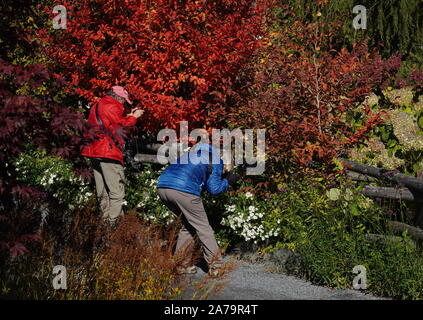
{"x":253,"y":282}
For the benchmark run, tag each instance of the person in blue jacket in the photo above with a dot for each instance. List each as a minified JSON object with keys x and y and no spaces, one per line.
{"x":180,"y":187}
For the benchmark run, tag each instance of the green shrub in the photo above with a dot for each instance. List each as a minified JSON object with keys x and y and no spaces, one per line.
{"x":55,"y":176}
{"x":394,"y":269}
{"x":141,"y":194}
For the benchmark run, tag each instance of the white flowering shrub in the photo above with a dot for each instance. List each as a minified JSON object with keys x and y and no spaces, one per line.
{"x":55,"y":176}
{"x":251,"y":218}
{"x":286,"y":217}
{"x":141,"y":194}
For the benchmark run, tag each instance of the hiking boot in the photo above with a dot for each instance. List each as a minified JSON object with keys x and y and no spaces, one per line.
{"x":215,"y":271}
{"x":186,"y":270}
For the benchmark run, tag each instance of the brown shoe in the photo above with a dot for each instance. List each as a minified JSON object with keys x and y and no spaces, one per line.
{"x":215,"y":271}
{"x":187,"y":270}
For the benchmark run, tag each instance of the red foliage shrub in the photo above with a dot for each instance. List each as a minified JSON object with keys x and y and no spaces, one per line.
{"x":302,"y":87}
{"x":174,"y":57}
{"x":28,"y":117}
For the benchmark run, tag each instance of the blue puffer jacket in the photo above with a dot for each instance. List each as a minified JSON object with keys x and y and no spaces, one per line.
{"x":189,"y":173}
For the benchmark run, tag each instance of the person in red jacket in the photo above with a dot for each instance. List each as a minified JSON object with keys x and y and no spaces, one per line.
{"x":106,"y":150}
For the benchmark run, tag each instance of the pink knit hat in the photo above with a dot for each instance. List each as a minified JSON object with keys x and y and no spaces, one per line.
{"x":121,"y":92}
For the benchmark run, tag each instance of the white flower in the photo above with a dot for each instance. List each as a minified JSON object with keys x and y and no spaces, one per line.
{"x":252,"y":209}
{"x":249,"y":195}
{"x":231,"y":208}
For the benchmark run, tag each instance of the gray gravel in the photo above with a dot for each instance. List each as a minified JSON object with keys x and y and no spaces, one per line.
{"x":253,"y":281}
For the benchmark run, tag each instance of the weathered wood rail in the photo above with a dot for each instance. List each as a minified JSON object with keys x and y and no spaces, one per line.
{"x":154,"y":147}
{"x":414,"y":184}
{"x":407,"y":189}
{"x":146,"y":158}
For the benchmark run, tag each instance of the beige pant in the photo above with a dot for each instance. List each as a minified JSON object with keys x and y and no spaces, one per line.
{"x":109,"y":183}
{"x":194,"y":221}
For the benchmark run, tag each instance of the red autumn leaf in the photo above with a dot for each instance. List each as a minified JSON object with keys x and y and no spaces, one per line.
{"x":17,"y":248}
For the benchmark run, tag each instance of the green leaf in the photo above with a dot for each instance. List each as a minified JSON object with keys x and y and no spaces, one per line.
{"x":348,"y":194}
{"x":354,"y":209}
{"x":420,"y":122}
{"x":392,"y":143}
{"x":333,"y":194}
{"x":338,"y":164}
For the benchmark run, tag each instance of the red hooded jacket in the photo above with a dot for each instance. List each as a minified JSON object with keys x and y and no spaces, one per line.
{"x":110,"y":111}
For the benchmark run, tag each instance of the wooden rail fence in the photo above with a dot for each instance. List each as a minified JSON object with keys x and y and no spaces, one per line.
{"x":407,"y":189}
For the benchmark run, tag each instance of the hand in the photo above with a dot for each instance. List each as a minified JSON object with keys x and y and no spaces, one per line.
{"x":227,"y":168}
{"x":136,"y":113}
{"x":232,"y":179}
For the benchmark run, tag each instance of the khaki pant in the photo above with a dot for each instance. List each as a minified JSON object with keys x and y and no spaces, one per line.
{"x":194,"y":221}
{"x":109,"y":183}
